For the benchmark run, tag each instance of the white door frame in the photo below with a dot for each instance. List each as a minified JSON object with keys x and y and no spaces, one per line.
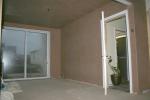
{"x":120,"y":14}
{"x":48,"y":52}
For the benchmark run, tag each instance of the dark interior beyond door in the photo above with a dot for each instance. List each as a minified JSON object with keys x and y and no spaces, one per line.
{"x":122,"y":58}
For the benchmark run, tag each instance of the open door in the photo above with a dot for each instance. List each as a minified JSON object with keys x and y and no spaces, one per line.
{"x":106,"y":52}
{"x":104,"y":55}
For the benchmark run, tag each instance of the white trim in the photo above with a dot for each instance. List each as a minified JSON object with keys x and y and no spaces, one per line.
{"x":120,"y":14}
{"x":25,"y":56}
{"x":117,"y":15}
{"x":102,"y":53}
{"x":104,"y":59}
{"x":24,"y":29}
{"x":48,"y":52}
{"x":19,"y":79}
{"x":129,"y":52}
{"x":121,"y":36}
{"x":125,"y":2}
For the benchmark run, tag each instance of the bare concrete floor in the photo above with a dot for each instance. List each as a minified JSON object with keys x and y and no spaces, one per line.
{"x":70,"y":90}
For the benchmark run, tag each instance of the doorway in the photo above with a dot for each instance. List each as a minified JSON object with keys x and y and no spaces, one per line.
{"x":116,"y":46}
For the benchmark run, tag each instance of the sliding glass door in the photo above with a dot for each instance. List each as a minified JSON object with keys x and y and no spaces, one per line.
{"x":36,"y":54}
{"x":24,"y":54}
{"x":13,"y":43}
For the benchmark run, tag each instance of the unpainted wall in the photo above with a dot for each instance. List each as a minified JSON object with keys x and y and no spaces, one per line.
{"x":81,"y":46}
{"x":141,"y":39}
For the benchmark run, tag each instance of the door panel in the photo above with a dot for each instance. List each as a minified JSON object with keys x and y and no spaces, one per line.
{"x":104,"y":59}
{"x":36,"y":54}
{"x":13,"y":43}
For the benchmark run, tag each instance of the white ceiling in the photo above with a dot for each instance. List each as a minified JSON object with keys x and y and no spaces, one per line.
{"x":51,"y":13}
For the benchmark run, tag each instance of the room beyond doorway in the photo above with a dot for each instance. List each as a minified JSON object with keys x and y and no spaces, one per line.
{"x":117,"y":49}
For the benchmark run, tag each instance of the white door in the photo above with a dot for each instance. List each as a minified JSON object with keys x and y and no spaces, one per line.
{"x":104,"y":58}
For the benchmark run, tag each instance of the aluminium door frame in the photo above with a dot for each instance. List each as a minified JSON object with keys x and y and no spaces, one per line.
{"x":120,"y":14}
{"x":48,"y":52}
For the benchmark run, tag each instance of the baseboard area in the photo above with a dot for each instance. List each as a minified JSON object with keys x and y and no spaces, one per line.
{"x":81,"y":82}
{"x":146,"y":91}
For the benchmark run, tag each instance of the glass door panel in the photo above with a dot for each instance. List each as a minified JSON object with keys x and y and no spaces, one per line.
{"x":36,"y":54}
{"x":13,"y":44}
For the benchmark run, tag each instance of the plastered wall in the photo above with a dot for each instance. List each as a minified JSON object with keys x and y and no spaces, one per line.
{"x":81,"y":46}
{"x":139,"y":29}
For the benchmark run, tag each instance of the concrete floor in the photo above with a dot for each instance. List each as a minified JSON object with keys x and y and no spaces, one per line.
{"x":70,"y":90}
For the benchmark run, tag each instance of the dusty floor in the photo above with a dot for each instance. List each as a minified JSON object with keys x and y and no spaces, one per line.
{"x":69,"y":90}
